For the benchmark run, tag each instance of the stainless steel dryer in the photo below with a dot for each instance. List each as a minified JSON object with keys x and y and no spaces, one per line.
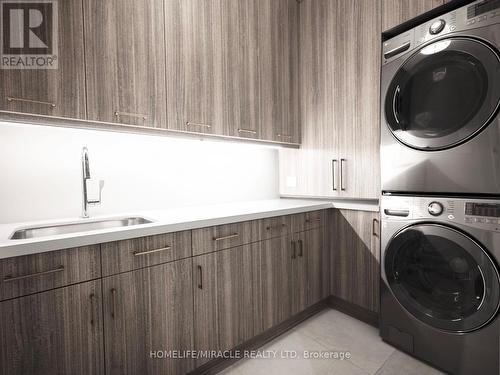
{"x":440,"y":285}
{"x":440,"y":97}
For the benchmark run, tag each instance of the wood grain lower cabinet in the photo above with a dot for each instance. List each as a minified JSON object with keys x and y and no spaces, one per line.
{"x":28,"y":274}
{"x":238,"y":295}
{"x":149,"y":310}
{"x":277,"y":255}
{"x":58,"y":332}
{"x":227,"y":308}
{"x":355,"y":253}
{"x":315,"y":255}
{"x":206,"y":324}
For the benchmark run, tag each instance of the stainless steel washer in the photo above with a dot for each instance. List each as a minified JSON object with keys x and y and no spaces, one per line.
{"x":440,"y":98}
{"x":440,"y":283}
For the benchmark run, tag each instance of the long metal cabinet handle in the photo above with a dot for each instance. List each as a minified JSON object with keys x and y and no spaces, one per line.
{"x":188,"y":124}
{"x":200,"y":277}
{"x":9,"y":278}
{"x":129,"y":114}
{"x":113,"y":303}
{"x":342,"y":177}
{"x":294,"y":250}
{"x":301,"y":248}
{"x":12,"y":99}
{"x":247,"y":131}
{"x":92,"y":298}
{"x":139,"y":253}
{"x":334,"y":169}
{"x":313,"y":219}
{"x":375,"y":225}
{"x":226,"y":237}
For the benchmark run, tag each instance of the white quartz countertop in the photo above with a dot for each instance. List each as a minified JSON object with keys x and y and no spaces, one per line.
{"x":164,"y":221}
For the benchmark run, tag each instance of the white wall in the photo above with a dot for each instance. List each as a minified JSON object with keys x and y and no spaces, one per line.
{"x":40,"y":172}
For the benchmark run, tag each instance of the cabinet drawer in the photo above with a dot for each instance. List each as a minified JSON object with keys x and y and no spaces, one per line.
{"x":206,"y":240}
{"x":275,"y":227}
{"x":29,"y":274}
{"x":127,"y":255}
{"x":308,"y":220}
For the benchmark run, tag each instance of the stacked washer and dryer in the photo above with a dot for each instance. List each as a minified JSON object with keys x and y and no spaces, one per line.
{"x":440,"y":206}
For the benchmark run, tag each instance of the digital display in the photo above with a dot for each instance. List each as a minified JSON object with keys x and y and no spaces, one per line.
{"x":482,"y":209}
{"x":482,"y":7}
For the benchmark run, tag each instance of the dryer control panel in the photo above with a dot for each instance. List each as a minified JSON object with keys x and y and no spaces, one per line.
{"x":478,"y":14}
{"x":477,"y":213}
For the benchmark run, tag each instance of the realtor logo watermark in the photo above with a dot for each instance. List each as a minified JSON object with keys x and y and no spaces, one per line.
{"x":28,"y":34}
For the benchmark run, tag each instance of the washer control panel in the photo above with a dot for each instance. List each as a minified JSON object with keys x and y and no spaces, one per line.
{"x":478,"y":213}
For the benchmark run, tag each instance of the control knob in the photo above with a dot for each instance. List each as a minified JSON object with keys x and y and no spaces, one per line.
{"x":435,"y":208}
{"x":437,"y":26}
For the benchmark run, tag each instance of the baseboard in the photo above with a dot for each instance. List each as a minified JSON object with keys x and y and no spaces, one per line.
{"x":353,"y":310}
{"x":217,"y":365}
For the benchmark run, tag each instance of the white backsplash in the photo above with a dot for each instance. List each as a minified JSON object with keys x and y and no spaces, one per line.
{"x":40,"y":172}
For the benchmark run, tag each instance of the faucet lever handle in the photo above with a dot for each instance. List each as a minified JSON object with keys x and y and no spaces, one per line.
{"x":97,"y":201}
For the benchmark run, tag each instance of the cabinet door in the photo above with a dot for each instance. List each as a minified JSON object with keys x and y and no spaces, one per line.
{"x":238,"y":296}
{"x":356,"y":258}
{"x":125,"y":54}
{"x":194,"y":65}
{"x":146,"y":311}
{"x":58,"y":332}
{"x":241,"y":74}
{"x":314,"y":254}
{"x":206,"y":324}
{"x":395,"y":12}
{"x":278,"y":69}
{"x":339,"y":102}
{"x":277,"y":256}
{"x":308,"y":171}
{"x":53,"y":92}
{"x":356,"y":97}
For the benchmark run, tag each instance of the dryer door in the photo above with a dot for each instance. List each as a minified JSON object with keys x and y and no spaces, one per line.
{"x":442,"y":277}
{"x":444,"y":94}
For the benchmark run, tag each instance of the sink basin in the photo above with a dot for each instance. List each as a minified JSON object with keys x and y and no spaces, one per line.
{"x":84,"y":226}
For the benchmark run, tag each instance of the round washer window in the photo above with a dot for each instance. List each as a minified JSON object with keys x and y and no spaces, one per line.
{"x":442,"y":277}
{"x":444,"y":94}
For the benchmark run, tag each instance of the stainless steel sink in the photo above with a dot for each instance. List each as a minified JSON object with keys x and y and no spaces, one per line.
{"x":84,"y":226}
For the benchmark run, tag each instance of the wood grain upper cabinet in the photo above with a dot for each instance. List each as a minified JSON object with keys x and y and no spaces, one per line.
{"x":66,"y":338}
{"x":395,"y":12}
{"x":53,"y":92}
{"x":355,"y":256}
{"x":278,"y":69}
{"x":145,"y":311}
{"x":240,"y":31}
{"x":125,"y":54}
{"x":194,"y":65}
{"x":356,"y":98}
{"x":339,"y":102}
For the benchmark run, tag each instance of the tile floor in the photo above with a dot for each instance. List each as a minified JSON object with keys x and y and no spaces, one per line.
{"x":331,"y":331}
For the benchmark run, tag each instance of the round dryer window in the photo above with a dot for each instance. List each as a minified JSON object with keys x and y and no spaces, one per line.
{"x":444,"y":94}
{"x":442,"y":277}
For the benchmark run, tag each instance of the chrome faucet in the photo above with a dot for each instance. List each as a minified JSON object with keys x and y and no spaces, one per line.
{"x":85,"y":179}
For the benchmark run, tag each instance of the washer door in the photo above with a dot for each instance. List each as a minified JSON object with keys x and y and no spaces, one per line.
{"x":444,"y":94}
{"x":442,"y":277}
